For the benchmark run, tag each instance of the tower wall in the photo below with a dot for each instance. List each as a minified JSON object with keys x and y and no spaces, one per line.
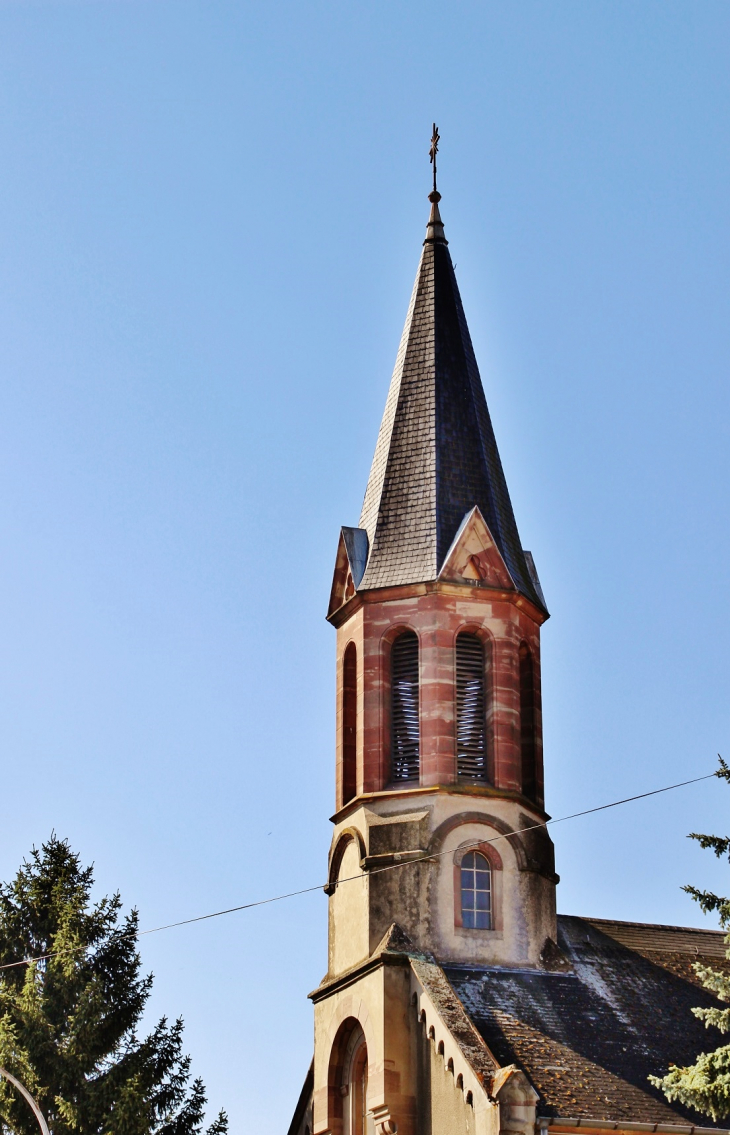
{"x":437,"y":613}
{"x":411,"y":846}
{"x":439,"y":851}
{"x":432,"y":821}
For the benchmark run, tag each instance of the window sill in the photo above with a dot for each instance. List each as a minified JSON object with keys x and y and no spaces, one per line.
{"x":469,"y":932}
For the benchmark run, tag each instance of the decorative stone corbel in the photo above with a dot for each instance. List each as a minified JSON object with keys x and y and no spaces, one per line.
{"x":384,"y":1123}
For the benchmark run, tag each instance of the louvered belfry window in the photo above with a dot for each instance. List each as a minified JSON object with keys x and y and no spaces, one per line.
{"x":405,"y":733}
{"x":471,"y":708}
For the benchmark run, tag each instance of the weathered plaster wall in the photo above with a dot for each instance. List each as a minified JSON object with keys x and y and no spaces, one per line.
{"x":451,"y":1091}
{"x":378,"y":1002}
{"x":442,"y":1106}
{"x":349,"y":941}
{"x":440,"y":814}
{"x":422,"y":896}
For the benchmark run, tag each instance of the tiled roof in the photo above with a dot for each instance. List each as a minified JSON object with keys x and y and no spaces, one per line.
{"x":589,"y":1033}
{"x":457,"y":1021}
{"x":436,"y":455}
{"x":647,"y":937}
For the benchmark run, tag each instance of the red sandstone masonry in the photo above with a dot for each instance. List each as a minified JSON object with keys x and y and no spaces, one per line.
{"x":437,"y":613}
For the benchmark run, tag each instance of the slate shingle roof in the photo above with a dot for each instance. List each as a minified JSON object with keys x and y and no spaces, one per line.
{"x":588,"y":1035}
{"x":436,"y":455}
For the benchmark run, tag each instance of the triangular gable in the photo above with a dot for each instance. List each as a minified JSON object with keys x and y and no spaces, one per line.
{"x":396,"y":941}
{"x":352,"y":555}
{"x":474,"y":556}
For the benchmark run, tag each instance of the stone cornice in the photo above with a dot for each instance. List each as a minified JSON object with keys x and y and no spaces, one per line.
{"x":475,"y":591}
{"x":472,"y":791}
{"x":350,"y":976}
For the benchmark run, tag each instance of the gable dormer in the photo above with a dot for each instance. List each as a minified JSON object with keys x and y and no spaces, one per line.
{"x":350,"y":561}
{"x":474,"y":556}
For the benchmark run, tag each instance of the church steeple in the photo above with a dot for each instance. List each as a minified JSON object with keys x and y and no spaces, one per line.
{"x":439,"y":851}
{"x":436,"y":456}
{"x":438,"y":612}
{"x":447,"y":986}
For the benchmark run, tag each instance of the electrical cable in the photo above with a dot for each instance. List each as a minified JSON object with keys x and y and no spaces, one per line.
{"x":374,"y":871}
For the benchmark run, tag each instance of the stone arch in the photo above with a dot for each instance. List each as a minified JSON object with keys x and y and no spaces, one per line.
{"x":488,"y":850}
{"x":356,"y":1008}
{"x":349,"y":1040}
{"x":346,"y":836}
{"x":352,"y":1015}
{"x":437,"y":839}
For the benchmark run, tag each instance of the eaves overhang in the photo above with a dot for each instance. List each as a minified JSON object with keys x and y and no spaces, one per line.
{"x":436,"y":586}
{"x":568,"y":1126}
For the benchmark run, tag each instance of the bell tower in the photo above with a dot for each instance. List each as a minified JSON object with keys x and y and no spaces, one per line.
{"x":449,"y":1006}
{"x":438,"y":610}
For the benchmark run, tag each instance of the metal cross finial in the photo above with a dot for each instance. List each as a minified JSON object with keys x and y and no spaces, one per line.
{"x":435,"y":139}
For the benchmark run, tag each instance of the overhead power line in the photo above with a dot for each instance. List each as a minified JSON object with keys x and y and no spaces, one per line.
{"x":375,"y":871}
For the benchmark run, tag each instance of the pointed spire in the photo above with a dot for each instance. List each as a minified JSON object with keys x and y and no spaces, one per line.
{"x":436,"y":456}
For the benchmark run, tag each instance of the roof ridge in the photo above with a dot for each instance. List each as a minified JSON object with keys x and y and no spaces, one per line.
{"x":647,"y":925}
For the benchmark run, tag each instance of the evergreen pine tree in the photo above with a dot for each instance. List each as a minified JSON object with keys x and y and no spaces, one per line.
{"x":705,"y":1085}
{"x":68,"y":1025}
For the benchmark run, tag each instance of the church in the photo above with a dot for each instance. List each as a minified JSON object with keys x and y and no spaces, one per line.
{"x":456,"y":999}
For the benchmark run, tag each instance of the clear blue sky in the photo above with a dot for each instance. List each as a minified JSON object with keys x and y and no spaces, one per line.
{"x":210,"y":219}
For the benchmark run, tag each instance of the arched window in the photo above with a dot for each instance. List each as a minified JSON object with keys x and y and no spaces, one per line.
{"x":347,"y":1081}
{"x":349,"y":724}
{"x":527,"y":723}
{"x":356,"y":1072}
{"x":471,"y":709}
{"x":404,"y":725}
{"x":476,"y":892}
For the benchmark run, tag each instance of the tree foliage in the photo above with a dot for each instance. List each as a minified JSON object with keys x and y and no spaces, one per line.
{"x":705,"y":1085}
{"x":68,"y":1023}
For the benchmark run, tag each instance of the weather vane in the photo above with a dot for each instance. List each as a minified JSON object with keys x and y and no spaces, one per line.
{"x":435,"y":139}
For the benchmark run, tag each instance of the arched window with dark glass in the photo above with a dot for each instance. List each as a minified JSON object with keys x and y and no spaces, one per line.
{"x":356,"y":1079}
{"x":349,"y":724}
{"x":471,"y":708}
{"x":527,"y":723}
{"x":405,"y":744}
{"x":347,"y":1106}
{"x":476,"y":892}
